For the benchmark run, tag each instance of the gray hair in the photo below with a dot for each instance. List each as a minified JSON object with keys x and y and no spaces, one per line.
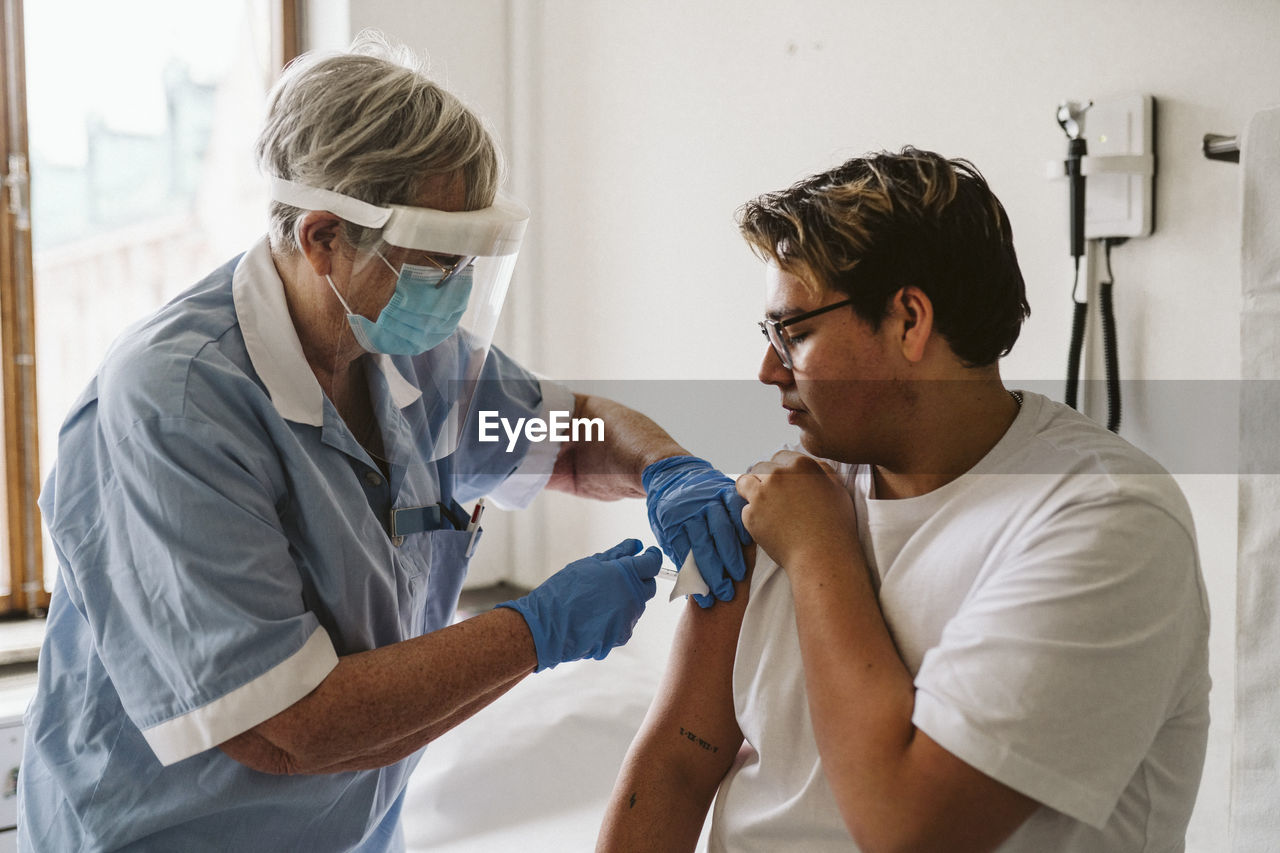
{"x":370,"y":123}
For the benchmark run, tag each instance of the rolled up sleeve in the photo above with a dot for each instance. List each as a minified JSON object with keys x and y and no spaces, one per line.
{"x":510,"y":469}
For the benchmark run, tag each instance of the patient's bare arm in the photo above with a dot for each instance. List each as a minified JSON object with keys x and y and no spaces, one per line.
{"x":688,"y":740}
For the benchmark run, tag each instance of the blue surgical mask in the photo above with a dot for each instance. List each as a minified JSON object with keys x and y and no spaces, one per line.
{"x":421,"y":313}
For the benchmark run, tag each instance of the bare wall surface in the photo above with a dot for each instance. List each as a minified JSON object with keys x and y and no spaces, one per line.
{"x":634,"y":130}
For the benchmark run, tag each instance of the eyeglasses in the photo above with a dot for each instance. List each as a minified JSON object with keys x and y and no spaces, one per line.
{"x":457,"y":265}
{"x":454,"y":264}
{"x":781,"y":341}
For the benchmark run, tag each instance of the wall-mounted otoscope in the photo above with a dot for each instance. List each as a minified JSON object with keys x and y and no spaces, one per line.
{"x":1121,"y":172}
{"x":1071,"y":120}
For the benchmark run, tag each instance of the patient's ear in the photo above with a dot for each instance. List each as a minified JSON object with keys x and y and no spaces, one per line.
{"x":913,"y":309}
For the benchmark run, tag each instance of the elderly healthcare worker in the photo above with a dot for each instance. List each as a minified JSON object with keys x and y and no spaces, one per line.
{"x":258,"y":502}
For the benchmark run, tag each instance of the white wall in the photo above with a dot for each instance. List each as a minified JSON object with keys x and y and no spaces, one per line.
{"x":634,"y":130}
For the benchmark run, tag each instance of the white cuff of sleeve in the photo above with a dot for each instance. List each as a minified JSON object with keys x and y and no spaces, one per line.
{"x":524,"y":483}
{"x":247,"y":705}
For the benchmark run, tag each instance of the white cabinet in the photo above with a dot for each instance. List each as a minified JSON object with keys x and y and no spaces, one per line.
{"x":17,"y":686}
{"x":10,"y":758}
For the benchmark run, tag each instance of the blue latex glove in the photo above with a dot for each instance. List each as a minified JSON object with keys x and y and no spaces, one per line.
{"x":692,"y":506}
{"x":591,"y":605}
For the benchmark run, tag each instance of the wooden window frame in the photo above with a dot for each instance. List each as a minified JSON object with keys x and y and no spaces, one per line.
{"x":27,"y":594}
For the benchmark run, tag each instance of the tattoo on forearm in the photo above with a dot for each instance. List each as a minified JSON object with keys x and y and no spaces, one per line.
{"x":632,"y":804}
{"x":692,"y":738}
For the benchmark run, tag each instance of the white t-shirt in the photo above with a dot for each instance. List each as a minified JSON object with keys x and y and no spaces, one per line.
{"x":1050,"y":608}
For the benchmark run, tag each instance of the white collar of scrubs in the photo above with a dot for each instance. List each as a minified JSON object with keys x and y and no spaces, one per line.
{"x":275,"y":350}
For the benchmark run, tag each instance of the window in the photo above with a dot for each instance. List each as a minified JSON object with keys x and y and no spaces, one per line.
{"x":129,"y":175}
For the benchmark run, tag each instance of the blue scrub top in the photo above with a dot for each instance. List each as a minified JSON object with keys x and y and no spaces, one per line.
{"x":222,"y":539}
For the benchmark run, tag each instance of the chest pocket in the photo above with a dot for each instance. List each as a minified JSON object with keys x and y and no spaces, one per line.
{"x":450,"y":552}
{"x":439,"y":560}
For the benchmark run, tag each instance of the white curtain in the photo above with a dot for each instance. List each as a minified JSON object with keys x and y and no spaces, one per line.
{"x":1255,"y":808}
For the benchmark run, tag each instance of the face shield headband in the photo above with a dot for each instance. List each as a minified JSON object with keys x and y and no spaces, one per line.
{"x":491,"y":231}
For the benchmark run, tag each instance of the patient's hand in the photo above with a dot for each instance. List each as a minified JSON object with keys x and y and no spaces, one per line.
{"x":796,"y":507}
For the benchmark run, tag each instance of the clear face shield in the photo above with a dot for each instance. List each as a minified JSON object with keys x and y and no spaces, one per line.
{"x":429,"y":284}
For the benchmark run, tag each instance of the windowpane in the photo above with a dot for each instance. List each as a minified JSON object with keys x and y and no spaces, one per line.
{"x":142,"y":116}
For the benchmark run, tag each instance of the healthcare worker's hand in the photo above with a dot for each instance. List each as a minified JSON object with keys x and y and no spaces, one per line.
{"x":694,"y":507}
{"x":591,"y":605}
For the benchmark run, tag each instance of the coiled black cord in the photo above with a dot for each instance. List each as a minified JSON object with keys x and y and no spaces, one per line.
{"x":1110,"y":352}
{"x":1077,"y":343}
{"x":1110,"y":356}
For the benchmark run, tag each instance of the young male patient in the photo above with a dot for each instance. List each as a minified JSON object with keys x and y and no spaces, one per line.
{"x":980,"y":624}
